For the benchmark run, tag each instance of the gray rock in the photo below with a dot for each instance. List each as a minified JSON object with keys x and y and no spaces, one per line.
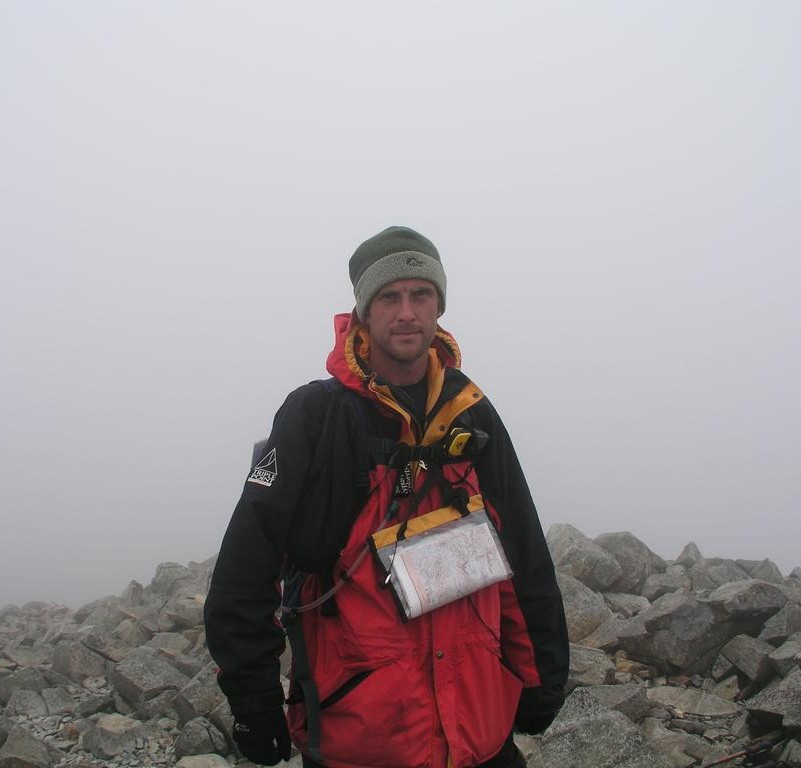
{"x":200,"y":696}
{"x":791,"y":756}
{"x":721,"y":668}
{"x":104,"y":645}
{"x":23,"y":750}
{"x":169,"y":641}
{"x":678,"y":630}
{"x":131,"y":632}
{"x":221,"y":717}
{"x":658,"y":584}
{"x":25,"y":656}
{"x":181,"y":612}
{"x":626,"y":605}
{"x":586,"y":734}
{"x":749,"y":655}
{"x":767,"y":570}
{"x":687,"y":750}
{"x":691,"y":556}
{"x":691,"y":701}
{"x":170,"y":577}
{"x":133,"y":594}
{"x":750,"y":602}
{"x":779,"y":705}
{"x":29,"y":703}
{"x":636,"y":561}
{"x":74,"y":660}
{"x":724,"y":571}
{"x":728,"y":688}
{"x":605,"y":636}
{"x":187,"y":665}
{"x":669,"y":743}
{"x":589,"y":666}
{"x":102,"y":614}
{"x":198,"y":737}
{"x":202,"y":761}
{"x":23,"y":679}
{"x":630,"y":699}
{"x":585,"y":610}
{"x":143,"y":675}
{"x":788,"y":655}
{"x":161,"y":705}
{"x":580,"y":557}
{"x":91,"y":705}
{"x":58,"y":701}
{"x":782,"y":624}
{"x":112,"y":735}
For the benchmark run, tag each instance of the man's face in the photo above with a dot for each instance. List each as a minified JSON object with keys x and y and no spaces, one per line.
{"x":402,"y":319}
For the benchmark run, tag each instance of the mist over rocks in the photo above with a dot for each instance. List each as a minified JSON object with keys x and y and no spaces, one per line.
{"x":673,"y":663}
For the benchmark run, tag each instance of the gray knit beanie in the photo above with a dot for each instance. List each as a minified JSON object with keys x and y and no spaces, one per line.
{"x":397,"y":253}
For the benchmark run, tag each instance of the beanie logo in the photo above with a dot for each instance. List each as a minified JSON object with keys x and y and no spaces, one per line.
{"x":265,"y":471}
{"x":413,"y":261}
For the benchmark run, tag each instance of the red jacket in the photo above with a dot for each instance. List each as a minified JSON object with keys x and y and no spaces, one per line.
{"x":441,"y":689}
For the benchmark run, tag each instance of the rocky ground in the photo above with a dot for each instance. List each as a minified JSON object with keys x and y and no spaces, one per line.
{"x":673,"y":664}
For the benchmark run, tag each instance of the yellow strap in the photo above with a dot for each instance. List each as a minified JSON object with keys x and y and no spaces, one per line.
{"x":426,"y":522}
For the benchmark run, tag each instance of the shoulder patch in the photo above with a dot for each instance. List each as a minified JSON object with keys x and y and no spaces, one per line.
{"x":265,"y":472}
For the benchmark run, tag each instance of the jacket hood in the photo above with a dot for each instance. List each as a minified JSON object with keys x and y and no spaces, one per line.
{"x":349,"y":360}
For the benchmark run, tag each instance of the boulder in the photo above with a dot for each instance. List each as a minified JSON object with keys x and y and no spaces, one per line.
{"x":605,"y":636}
{"x":630,"y":699}
{"x":747,"y":603}
{"x":658,"y":584}
{"x":589,"y":666}
{"x":577,"y":555}
{"x":200,"y":696}
{"x":779,"y":705}
{"x":626,"y":605}
{"x":143,"y":675}
{"x":691,"y":701}
{"x":782,"y":624}
{"x":22,"y":679}
{"x":678,"y":630}
{"x":587,"y":734}
{"x":749,"y":656}
{"x":787,"y":656}
{"x":198,"y":737}
{"x":791,"y":756}
{"x":23,"y":750}
{"x":690,"y":556}
{"x":637,"y":562}
{"x":766,"y":570}
{"x":202,"y":761}
{"x":58,"y":701}
{"x":169,"y":641}
{"x":682,"y":749}
{"x":112,"y":735}
{"x":77,"y":662}
{"x":28,"y":703}
{"x":134,"y":594}
{"x":585,"y":610}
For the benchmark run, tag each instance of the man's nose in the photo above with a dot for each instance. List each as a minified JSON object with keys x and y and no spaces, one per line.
{"x":406,"y":310}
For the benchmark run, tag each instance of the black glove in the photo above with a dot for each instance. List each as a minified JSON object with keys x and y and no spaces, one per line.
{"x":263,"y":738}
{"x":531,"y":716}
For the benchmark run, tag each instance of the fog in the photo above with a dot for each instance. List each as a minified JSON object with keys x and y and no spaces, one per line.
{"x":614,"y":189}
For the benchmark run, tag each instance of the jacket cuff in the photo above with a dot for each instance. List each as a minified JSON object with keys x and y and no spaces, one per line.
{"x":255,"y":704}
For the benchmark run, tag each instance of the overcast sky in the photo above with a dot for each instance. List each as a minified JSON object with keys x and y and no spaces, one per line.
{"x":614,"y":188}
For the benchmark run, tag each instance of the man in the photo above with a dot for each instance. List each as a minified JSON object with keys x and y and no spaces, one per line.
{"x":398,"y":432}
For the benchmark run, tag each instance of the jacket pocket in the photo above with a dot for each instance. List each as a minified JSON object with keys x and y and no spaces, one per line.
{"x":345,"y":688}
